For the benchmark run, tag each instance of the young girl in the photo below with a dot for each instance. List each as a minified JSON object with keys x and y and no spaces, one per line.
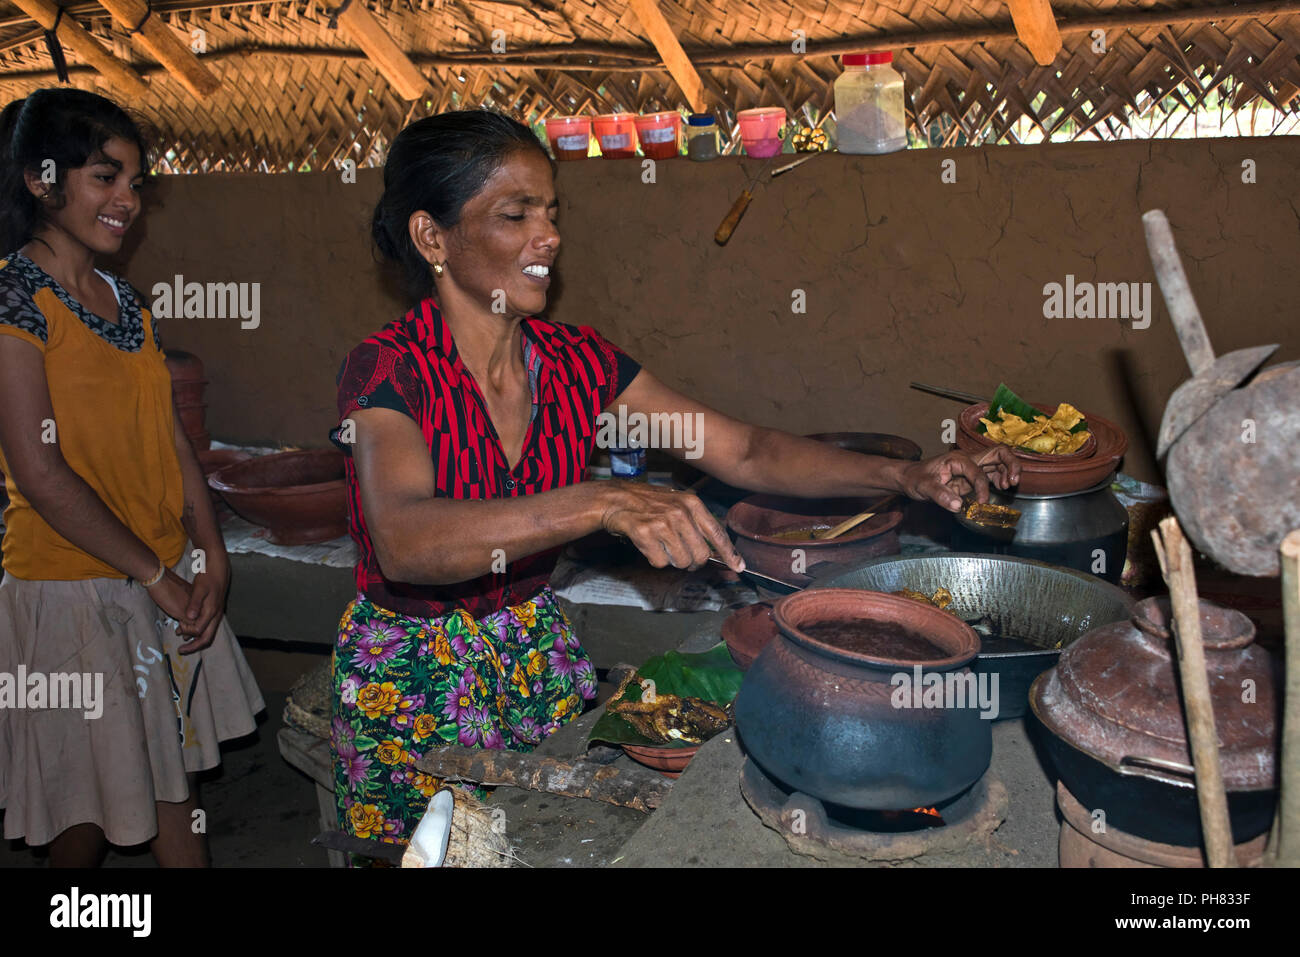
{"x":115,"y":570}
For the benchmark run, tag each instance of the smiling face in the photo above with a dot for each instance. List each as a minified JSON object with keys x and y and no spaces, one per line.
{"x":505,"y":244}
{"x":102,"y":198}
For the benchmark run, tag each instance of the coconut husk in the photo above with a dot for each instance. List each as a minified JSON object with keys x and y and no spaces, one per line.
{"x":307,"y":708}
{"x":477,"y":835}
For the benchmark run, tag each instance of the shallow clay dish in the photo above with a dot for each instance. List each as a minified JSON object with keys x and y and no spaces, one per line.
{"x":747,"y":631}
{"x":299,"y":496}
{"x":969,"y":422}
{"x":670,"y":762}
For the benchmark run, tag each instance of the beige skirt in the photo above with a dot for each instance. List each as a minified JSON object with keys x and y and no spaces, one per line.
{"x":100,"y":717}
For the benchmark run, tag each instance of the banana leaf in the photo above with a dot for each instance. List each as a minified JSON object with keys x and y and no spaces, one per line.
{"x":1004,"y":398}
{"x":711,"y":675}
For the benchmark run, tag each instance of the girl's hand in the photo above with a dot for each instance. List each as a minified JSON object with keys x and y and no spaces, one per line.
{"x":206,"y":606}
{"x":171,"y":593}
{"x":670,"y":528}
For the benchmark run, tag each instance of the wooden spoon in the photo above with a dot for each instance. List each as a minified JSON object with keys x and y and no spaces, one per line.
{"x":822,"y":534}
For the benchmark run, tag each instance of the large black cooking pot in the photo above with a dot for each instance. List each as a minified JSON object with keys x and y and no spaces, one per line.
{"x":845,"y":726}
{"x":1114,"y":727}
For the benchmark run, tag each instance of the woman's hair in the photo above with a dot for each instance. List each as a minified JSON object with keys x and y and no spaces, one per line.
{"x":66,"y":126}
{"x":438,"y":164}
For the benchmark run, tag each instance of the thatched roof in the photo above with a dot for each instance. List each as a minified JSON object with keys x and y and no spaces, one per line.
{"x":293,"y":91}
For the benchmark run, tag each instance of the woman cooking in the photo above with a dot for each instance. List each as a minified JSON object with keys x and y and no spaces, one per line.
{"x":469,"y":423}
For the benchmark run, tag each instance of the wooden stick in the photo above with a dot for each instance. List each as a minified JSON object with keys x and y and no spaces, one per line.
{"x":383,"y":51}
{"x":160,"y":40}
{"x":679,"y":65}
{"x":120,"y":76}
{"x":1176,"y":563}
{"x":1287,"y":853}
{"x":1036,"y":28}
{"x":638,"y":788}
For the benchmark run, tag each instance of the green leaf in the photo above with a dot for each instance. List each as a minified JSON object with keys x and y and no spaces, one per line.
{"x":364,"y":742}
{"x":711,"y":675}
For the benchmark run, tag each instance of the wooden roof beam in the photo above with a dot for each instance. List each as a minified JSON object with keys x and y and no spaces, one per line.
{"x":155,"y":36}
{"x":117,"y":74}
{"x":1036,"y":27}
{"x":665,"y":41}
{"x":382,"y":49}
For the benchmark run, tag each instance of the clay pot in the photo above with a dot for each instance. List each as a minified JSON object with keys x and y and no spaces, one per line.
{"x":212,"y":459}
{"x":184,"y":366}
{"x":748,"y":631}
{"x":1118,"y":736}
{"x":670,"y":762}
{"x":1052,"y":474}
{"x":843,"y":726}
{"x":756,"y":521}
{"x":192,"y":418}
{"x":300,"y":497}
{"x":190,"y":392}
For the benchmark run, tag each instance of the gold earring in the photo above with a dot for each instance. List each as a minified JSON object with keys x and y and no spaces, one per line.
{"x":437,"y":270}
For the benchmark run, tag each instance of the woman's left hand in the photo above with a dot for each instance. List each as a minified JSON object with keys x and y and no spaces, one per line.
{"x":946,"y":478}
{"x":207,"y":605}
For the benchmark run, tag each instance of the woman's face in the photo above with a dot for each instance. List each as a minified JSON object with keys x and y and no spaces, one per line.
{"x":503,"y":249}
{"x":102,"y":197}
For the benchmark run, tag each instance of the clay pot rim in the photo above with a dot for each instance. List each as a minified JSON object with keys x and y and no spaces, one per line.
{"x":219,"y":480}
{"x":936,"y":625}
{"x":879,"y":524}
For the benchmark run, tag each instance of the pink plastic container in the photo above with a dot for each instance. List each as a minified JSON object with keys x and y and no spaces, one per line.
{"x":660,"y":134}
{"x":617,"y":135}
{"x":760,"y":130}
{"x":570,"y":136}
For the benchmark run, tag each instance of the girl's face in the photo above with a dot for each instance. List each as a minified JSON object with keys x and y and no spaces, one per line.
{"x":102,"y":197}
{"x":502,"y":251}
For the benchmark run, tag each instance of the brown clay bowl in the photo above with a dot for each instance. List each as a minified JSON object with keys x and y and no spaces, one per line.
{"x":300,"y":497}
{"x":748,"y":631}
{"x":212,"y":459}
{"x":1061,"y":475}
{"x":968,"y":424}
{"x":757,"y":521}
{"x":670,"y":762}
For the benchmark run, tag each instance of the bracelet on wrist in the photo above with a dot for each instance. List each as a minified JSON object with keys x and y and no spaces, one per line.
{"x":162,"y":570}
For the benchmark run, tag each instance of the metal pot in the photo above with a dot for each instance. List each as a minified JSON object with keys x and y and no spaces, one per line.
{"x":1085,"y":530}
{"x":843,"y":726}
{"x":1117,"y":735}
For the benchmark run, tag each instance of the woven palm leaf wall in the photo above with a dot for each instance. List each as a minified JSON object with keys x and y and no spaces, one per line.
{"x":296,"y":92}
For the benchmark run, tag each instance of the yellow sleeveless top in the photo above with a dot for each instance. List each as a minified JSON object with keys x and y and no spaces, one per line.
{"x":111,"y":394}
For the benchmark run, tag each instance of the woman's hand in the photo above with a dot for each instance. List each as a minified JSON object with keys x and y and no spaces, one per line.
{"x":670,"y":528}
{"x":206,"y":606}
{"x":946,"y":478}
{"x":172,"y":593}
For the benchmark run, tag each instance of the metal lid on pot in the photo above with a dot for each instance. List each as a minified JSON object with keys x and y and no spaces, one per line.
{"x":1115,"y":696}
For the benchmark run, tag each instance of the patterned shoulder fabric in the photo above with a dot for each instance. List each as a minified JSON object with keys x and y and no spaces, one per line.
{"x":128,"y":292}
{"x":620,"y":368}
{"x":375,"y":375}
{"x":17,"y":307}
{"x":126,"y":334}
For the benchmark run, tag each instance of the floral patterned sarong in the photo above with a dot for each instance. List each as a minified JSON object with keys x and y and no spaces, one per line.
{"x":405,"y":685}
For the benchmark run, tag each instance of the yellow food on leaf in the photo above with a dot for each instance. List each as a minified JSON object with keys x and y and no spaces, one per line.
{"x":1043,"y":435}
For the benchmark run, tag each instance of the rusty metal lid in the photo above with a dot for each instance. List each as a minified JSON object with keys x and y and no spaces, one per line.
{"x":1115,"y":696}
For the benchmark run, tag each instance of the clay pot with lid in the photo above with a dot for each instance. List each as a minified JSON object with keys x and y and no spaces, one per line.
{"x":1116,"y":731}
{"x":843,"y":727}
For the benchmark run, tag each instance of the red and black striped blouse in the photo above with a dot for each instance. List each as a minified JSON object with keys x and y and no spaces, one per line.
{"x":412,"y":365}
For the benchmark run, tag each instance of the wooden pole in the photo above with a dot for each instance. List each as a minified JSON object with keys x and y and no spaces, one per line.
{"x":1202,"y":736}
{"x":382,"y":50}
{"x":1287,"y":853}
{"x":679,"y":65}
{"x":1036,"y":27}
{"x":116,"y":73}
{"x":159,"y":39}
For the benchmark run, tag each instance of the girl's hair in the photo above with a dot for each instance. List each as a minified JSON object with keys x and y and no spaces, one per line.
{"x":66,"y":126}
{"x":438,"y":164}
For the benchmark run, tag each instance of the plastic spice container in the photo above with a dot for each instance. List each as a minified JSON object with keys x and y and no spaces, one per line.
{"x":570,"y":136}
{"x":659,"y":134}
{"x":869,"y":110}
{"x":760,"y":130}
{"x":701,"y":137}
{"x":617,"y":135}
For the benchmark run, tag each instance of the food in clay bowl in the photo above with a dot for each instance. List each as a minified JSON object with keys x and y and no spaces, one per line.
{"x":300,"y":497}
{"x":747,"y":632}
{"x":1052,"y":474}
